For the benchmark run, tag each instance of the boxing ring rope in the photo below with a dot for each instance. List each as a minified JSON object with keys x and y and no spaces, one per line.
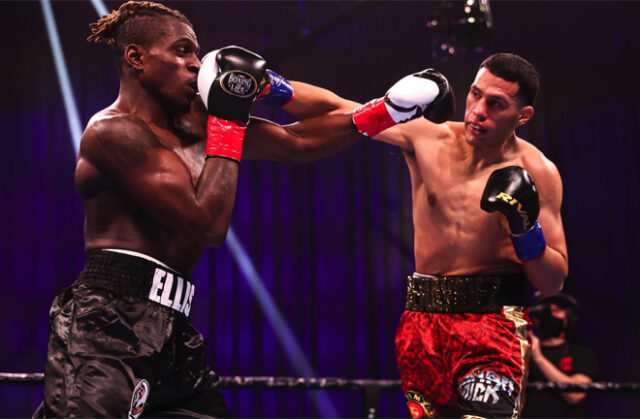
{"x":332,"y":383}
{"x":370,"y":389}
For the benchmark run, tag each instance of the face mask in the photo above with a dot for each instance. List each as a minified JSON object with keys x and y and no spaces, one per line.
{"x":551,"y":327}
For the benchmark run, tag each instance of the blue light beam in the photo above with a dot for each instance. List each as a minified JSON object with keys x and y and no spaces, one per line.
{"x":279,"y":324}
{"x":100,"y":7}
{"x":63,"y":75}
{"x":269,"y":308}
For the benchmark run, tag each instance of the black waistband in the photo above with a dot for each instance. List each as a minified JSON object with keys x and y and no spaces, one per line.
{"x":464,"y":294}
{"x":134,"y":276}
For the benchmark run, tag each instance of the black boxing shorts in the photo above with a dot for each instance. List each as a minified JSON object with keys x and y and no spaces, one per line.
{"x":121,"y":344}
{"x":462,"y":346}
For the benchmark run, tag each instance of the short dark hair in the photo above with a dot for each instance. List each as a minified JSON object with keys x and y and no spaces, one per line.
{"x":514,"y":68}
{"x":132,"y":23}
{"x":563,"y":300}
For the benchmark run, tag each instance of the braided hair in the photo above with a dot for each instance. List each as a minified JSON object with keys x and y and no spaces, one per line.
{"x":133,"y":22}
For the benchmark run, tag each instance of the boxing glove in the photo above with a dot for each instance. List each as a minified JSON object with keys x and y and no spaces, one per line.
{"x":511,"y":191}
{"x":277,"y":92}
{"x":229,"y":81}
{"x":426,"y":94}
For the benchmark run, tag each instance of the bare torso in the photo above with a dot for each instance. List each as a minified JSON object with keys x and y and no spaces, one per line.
{"x":113,"y":220}
{"x":453,"y":235}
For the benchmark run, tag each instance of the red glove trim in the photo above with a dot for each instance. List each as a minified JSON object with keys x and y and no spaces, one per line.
{"x":372,"y":117}
{"x":264,"y":92}
{"x":293,"y":94}
{"x":225,"y":138}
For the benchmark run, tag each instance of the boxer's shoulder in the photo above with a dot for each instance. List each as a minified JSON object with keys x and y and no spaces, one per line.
{"x":114,"y":138}
{"x":111,"y":122}
{"x":424,"y":132}
{"x":534,"y":160}
{"x":452,"y":130}
{"x":432,"y":137}
{"x":543,"y":171}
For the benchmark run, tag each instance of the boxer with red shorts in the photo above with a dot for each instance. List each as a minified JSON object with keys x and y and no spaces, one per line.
{"x":462,"y":347}
{"x":478,"y":215}
{"x":478,"y":220}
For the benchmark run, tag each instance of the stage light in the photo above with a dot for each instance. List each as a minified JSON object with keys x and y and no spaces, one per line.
{"x":73,"y":117}
{"x":457,"y":29}
{"x":100,"y":7}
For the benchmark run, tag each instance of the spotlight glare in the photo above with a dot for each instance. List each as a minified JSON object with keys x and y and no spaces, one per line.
{"x":63,"y":74}
{"x":100,"y":7}
{"x":279,"y":324}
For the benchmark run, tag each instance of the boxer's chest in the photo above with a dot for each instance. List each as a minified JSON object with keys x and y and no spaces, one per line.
{"x":445,"y":183}
{"x":192,"y":154}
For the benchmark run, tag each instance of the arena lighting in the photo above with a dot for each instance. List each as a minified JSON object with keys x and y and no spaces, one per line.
{"x":279,"y":324}
{"x":100,"y":7}
{"x":268,"y":306}
{"x":63,"y":75}
{"x":459,"y":27}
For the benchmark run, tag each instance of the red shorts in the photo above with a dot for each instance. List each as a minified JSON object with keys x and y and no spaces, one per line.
{"x":456,"y":364}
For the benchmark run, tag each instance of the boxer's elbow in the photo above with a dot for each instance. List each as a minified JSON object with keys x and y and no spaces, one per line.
{"x":300,"y":153}
{"x":550,"y":290}
{"x":552,"y":283}
{"x":295,"y":151}
{"x":215,"y":235}
{"x":206,"y":230}
{"x":559,"y":274}
{"x":215,"y":240}
{"x":311,"y":140}
{"x":209,"y":237}
{"x":548,"y":272}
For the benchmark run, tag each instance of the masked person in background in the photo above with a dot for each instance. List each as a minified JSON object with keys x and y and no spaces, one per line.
{"x":555,"y":358}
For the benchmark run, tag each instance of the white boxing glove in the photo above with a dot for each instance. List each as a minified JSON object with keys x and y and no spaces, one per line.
{"x":426,"y":93}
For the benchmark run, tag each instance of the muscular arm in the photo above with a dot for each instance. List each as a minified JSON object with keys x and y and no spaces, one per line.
{"x":404,"y":135}
{"x":158,"y":183}
{"x":325,"y":128}
{"x":300,"y":142}
{"x":310,"y":101}
{"x":548,"y":272}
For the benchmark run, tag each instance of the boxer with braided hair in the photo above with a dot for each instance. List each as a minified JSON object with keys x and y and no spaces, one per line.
{"x":120,"y":339}
{"x":115,"y":28}
{"x":157,"y":172}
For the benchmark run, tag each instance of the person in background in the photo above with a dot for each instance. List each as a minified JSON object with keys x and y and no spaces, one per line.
{"x":554,"y":357}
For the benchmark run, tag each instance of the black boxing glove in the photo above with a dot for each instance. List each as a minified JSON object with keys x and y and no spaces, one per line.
{"x":444,"y":106}
{"x":426,"y":94}
{"x":229,"y":81}
{"x":511,"y":191}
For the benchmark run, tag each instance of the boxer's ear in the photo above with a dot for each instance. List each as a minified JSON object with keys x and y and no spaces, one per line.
{"x":526,"y":113}
{"x":134,"y":56}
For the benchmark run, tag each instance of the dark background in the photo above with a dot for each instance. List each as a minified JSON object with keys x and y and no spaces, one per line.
{"x":332,"y":240}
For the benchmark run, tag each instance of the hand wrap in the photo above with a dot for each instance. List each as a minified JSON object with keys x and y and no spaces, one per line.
{"x":530,"y":245}
{"x":224,"y":138}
